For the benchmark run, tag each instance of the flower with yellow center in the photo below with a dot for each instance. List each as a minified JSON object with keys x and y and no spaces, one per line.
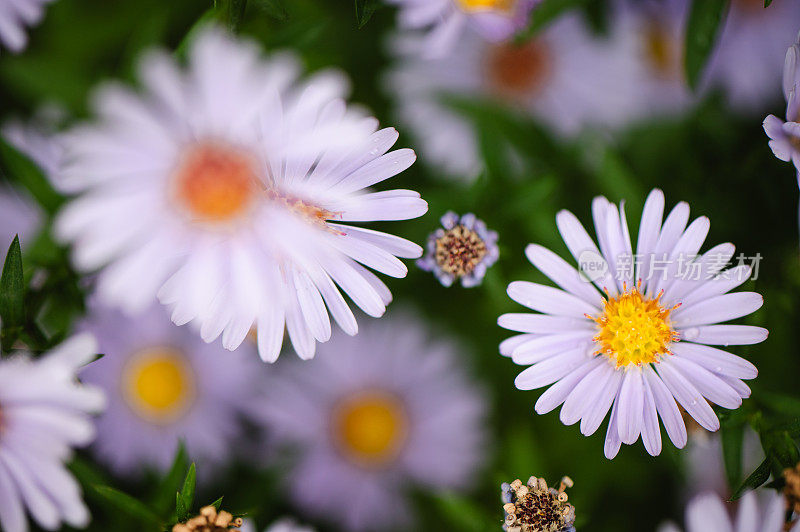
{"x":370,"y":427}
{"x":479,"y":5}
{"x":634,"y":334}
{"x":371,"y":416}
{"x":158,"y":384}
{"x":634,"y":329}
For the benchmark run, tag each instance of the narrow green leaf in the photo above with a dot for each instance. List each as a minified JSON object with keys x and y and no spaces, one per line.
{"x":18,"y":167}
{"x":12,"y":292}
{"x":187,"y":493}
{"x":705,"y":21}
{"x":127,"y":505}
{"x":755,"y":480}
{"x":364,"y":11}
{"x":732,"y":437}
{"x":217,"y":504}
{"x":181,"y":512}
{"x":172,"y":480}
{"x":767,"y":3}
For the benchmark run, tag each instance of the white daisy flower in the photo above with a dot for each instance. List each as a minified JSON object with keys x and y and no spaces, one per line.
{"x":707,"y":513}
{"x":565,"y":77}
{"x":222,"y":190}
{"x":748,"y":56}
{"x":164,"y":385}
{"x":644,"y":344}
{"x":37,"y":138}
{"x":445,"y":20}
{"x":44,"y":413}
{"x":15,"y":15}
{"x":362,"y":416}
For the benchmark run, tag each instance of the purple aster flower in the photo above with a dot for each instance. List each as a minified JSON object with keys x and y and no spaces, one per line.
{"x":494,"y":20}
{"x":371,"y":415}
{"x":639,"y":341}
{"x":785,"y":135}
{"x":164,"y":384}
{"x":15,"y":16}
{"x":708,"y":513}
{"x":462,"y":249}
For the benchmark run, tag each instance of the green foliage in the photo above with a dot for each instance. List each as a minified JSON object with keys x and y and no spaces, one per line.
{"x":364,"y":11}
{"x":12,"y":296}
{"x":705,"y":21}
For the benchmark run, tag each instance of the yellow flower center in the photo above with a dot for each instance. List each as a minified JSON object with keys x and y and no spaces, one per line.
{"x":370,"y":427}
{"x":515,"y":70}
{"x":634,"y":329}
{"x":482,"y":5}
{"x":215,"y":182}
{"x":158,"y":384}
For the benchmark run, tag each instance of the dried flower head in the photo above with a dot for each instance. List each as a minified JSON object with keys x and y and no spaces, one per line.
{"x":210,"y":520}
{"x":533,"y":507}
{"x":792,"y":488}
{"x":462,"y":249}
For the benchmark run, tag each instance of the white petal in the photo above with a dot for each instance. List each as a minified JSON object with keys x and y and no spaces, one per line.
{"x":548,"y":299}
{"x":715,"y":360}
{"x":688,"y":396}
{"x":718,"y":309}
{"x":563,"y":274}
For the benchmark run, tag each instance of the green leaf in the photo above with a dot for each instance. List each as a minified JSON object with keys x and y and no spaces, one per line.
{"x":189,"y":483}
{"x":19,"y":168}
{"x":273,"y":8}
{"x":767,"y":3}
{"x":217,"y":504}
{"x":172,"y":480}
{"x":547,"y":12}
{"x":12,"y":293}
{"x":732,"y":437}
{"x":126,"y":504}
{"x":755,"y":480}
{"x":705,"y":21}
{"x":364,"y":11}
{"x":181,"y":512}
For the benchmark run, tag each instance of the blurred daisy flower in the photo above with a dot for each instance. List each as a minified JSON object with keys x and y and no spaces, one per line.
{"x":785,"y":135}
{"x":362,"y":415}
{"x":707,"y":513}
{"x":462,"y":249}
{"x":15,"y":15}
{"x":44,"y":413}
{"x":654,"y":30}
{"x":748,"y":57}
{"x":564,"y":76}
{"x":37,"y":138}
{"x":164,"y":385}
{"x":221,"y":188}
{"x":445,"y":20}
{"x":642,"y":345}
{"x":19,"y":215}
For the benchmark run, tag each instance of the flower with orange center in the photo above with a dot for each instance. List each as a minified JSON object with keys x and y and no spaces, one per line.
{"x":225,"y":190}
{"x":634,"y":328}
{"x":215,"y":182}
{"x":519,"y":70}
{"x":370,"y":427}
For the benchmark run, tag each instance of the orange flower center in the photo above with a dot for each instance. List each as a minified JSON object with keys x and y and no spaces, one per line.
{"x":215,"y":182}
{"x":519,"y":70}
{"x":158,"y":384}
